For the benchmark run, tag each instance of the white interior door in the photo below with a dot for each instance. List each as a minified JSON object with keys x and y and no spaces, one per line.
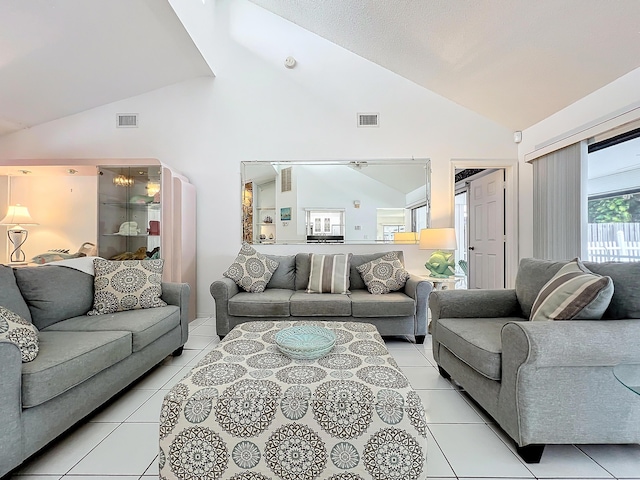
{"x":486,"y":231}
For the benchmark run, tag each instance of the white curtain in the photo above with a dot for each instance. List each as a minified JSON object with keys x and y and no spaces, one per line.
{"x":560,"y":203}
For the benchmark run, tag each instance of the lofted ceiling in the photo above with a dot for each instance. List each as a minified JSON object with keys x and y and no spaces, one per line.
{"x":513,"y":61}
{"x":60,"y":57}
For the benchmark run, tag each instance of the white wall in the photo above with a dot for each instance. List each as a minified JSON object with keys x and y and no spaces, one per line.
{"x":256,"y":109}
{"x":604,"y":109}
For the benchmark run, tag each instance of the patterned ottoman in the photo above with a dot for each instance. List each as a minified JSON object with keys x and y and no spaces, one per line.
{"x":248,"y":412}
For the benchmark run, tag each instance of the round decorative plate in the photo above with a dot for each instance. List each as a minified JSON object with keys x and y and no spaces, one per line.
{"x":305,"y":342}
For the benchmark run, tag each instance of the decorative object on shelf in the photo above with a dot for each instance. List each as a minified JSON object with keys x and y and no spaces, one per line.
{"x":154,"y":227}
{"x":17,"y":215}
{"x":285,"y":214}
{"x":271,"y":237}
{"x":89,"y":249}
{"x":305,"y":342}
{"x":153,"y":188}
{"x":263,"y":236}
{"x":405,"y":238}
{"x":129,"y":229}
{"x":441,"y":264}
{"x":139,"y":254}
{"x":122,"y":181}
{"x":141,"y":199}
{"x":464,"y":266}
{"x":268,"y":219}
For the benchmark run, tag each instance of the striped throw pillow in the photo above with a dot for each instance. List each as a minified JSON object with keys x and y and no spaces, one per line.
{"x":329,"y":273}
{"x":574,"y":293}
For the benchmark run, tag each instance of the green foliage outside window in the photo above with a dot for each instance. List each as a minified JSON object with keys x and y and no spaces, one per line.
{"x":620,"y":209}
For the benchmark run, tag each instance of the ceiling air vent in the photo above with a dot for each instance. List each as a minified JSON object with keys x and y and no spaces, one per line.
{"x":368,"y":120}
{"x":127,"y":120}
{"x":285,"y":180}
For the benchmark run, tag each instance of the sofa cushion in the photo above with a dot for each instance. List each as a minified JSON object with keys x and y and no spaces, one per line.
{"x":356,"y":260}
{"x":145,"y":325}
{"x":10,"y":295}
{"x":285,"y":274}
{"x":394,"y":304}
{"x":54,"y":293}
{"x":625,"y":302}
{"x":475,"y":341}
{"x":251,"y":270}
{"x":126,"y":285}
{"x":329,"y":273}
{"x":574,"y":293}
{"x":273,"y":302}
{"x":320,"y":305}
{"x":383,"y":275}
{"x":19,"y":331}
{"x":67,"y":359}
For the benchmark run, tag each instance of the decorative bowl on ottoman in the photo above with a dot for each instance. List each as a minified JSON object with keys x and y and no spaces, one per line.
{"x":305,"y":342}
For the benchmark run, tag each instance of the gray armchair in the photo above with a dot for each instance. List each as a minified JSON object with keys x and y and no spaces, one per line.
{"x":544,"y":382}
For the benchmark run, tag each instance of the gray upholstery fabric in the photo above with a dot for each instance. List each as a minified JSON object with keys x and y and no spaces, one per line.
{"x":303,"y":270}
{"x":356,"y":260}
{"x":625,"y":302}
{"x":67,"y":359}
{"x":146,"y":325}
{"x":11,"y":445}
{"x":320,"y":304}
{"x":178,"y":294}
{"x":476,"y":341}
{"x":273,"y":302}
{"x":285,"y":274}
{"x":10,"y":296}
{"x":531,"y":277}
{"x":394,"y":304}
{"x":54,"y":293}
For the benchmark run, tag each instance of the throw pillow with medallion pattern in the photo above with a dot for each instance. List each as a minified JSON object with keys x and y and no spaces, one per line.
{"x":384,"y":275}
{"x":21,"y":332}
{"x":126,"y":285}
{"x":251,"y":270}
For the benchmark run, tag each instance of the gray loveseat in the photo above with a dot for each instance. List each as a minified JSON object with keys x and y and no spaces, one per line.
{"x":544,"y":382}
{"x":83,"y":360}
{"x":397,"y":313}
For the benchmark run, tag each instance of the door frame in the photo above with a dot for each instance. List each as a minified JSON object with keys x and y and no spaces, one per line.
{"x":510,"y":167}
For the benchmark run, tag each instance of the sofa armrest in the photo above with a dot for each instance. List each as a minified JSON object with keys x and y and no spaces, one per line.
{"x":11,"y":443}
{"x":178,"y":294}
{"x":474,"y":304}
{"x":419,"y":289}
{"x":222,"y":290}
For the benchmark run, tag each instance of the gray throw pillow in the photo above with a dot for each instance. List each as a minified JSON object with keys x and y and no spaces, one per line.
{"x":17,"y":330}
{"x":385,"y":274}
{"x":251,"y":270}
{"x":329,"y":273}
{"x":126,"y":285}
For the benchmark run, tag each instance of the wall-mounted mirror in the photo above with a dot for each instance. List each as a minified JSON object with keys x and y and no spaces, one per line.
{"x":357,"y":202}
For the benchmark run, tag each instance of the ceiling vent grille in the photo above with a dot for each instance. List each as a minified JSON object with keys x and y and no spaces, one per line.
{"x":127,"y":120}
{"x":368,"y":120}
{"x":285,"y":180}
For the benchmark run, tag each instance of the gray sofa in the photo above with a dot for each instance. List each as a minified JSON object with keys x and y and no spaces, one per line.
{"x":397,"y":313}
{"x":544,"y":382}
{"x":83,"y":360}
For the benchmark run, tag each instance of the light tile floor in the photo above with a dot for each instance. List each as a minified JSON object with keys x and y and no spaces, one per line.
{"x":121,"y":440}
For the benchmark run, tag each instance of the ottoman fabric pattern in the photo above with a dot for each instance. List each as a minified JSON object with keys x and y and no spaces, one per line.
{"x":254,"y":413}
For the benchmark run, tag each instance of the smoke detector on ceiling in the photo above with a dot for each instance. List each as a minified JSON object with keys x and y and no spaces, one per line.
{"x":127,"y":120}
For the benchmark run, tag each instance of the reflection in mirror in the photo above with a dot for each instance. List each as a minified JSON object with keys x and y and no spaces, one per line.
{"x":357,"y":202}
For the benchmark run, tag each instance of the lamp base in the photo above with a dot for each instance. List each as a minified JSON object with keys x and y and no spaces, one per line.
{"x":17,"y":236}
{"x":441,"y":264}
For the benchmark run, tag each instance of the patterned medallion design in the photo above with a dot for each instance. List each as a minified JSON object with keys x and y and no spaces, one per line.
{"x":415,"y":412}
{"x":302,"y":374}
{"x":211,"y":357}
{"x":390,"y":406}
{"x":345,"y":476}
{"x":258,"y":326}
{"x":382,"y":377}
{"x":377,"y":360}
{"x":20,"y":332}
{"x":198,"y":453}
{"x":233,"y":359}
{"x":359,"y":327}
{"x":295,"y":452}
{"x":367,"y":347}
{"x":232,"y":335}
{"x":345,"y":456}
{"x":251,"y":270}
{"x":343,"y":408}
{"x":199,"y":405}
{"x":392,"y":453}
{"x":247,"y":407}
{"x":343,"y":336}
{"x":260,"y":373}
{"x":268,"y":360}
{"x":295,"y":402}
{"x":249,"y":476}
{"x":341,"y":374}
{"x":246,"y":454}
{"x":243,"y":347}
{"x":217,"y":374}
{"x":340,"y":362}
{"x":169,"y":416}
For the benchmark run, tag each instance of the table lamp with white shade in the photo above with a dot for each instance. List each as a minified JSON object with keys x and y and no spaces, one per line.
{"x":17,"y":215}
{"x":407,"y":238}
{"x":441,"y":264}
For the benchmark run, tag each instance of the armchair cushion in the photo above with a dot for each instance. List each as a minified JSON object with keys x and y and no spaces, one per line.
{"x":574,"y":293}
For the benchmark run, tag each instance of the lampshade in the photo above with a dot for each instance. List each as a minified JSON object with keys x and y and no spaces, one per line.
{"x":438,"y":239}
{"x":407,"y":238}
{"x":17,"y":215}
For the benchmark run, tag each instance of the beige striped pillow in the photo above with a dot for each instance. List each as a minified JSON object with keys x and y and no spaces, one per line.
{"x":574,"y":293}
{"x":329,"y":273}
